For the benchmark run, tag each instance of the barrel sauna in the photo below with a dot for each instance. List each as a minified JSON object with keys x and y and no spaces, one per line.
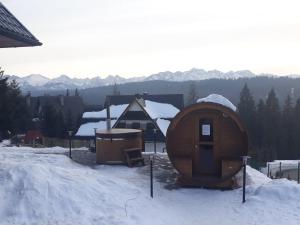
{"x":205,"y":143}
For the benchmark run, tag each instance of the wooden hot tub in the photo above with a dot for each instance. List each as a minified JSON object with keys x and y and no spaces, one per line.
{"x":110,"y":144}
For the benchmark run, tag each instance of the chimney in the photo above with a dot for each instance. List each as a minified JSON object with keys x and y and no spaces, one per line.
{"x":28,"y":99}
{"x":141,"y":101}
{"x":61,"y":100}
{"x":108,"y":120}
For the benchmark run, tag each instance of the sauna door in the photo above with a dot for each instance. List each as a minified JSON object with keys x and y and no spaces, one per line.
{"x":203,"y":161}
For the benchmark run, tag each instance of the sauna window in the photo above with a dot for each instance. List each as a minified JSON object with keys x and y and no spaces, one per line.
{"x":205,"y":130}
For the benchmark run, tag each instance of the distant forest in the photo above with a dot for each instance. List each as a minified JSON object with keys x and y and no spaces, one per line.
{"x":230,"y":88}
{"x":273,"y":129}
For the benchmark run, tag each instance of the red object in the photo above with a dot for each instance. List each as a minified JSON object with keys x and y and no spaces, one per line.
{"x":32,"y":135}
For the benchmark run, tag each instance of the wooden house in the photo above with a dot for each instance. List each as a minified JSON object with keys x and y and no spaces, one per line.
{"x":139,"y":113}
{"x":13,"y":33}
{"x":205,"y":142}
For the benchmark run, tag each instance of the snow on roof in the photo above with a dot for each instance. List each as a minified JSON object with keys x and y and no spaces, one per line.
{"x":163,"y":125}
{"x":219,"y":99}
{"x":87,"y":129}
{"x":160,"y":110}
{"x":115,"y":112}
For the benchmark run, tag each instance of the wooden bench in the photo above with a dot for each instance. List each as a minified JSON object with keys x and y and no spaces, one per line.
{"x":134,"y":156}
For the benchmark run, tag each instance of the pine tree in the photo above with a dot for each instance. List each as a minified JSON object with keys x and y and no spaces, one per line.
{"x":247,"y":110}
{"x":272,"y":123}
{"x":19,"y":117}
{"x":4,"y":113}
{"x":193,"y":95}
{"x":296,"y":129}
{"x":76,"y":92}
{"x":260,"y":131}
{"x":287,"y":138}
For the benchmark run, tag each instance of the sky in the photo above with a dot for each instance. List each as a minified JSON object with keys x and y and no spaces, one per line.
{"x":87,"y":38}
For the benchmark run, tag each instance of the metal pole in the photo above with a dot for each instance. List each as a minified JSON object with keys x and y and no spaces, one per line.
{"x":70,"y":144}
{"x":95,"y":140}
{"x":245,"y":158}
{"x":268,"y":174}
{"x":151,"y":178}
{"x":244,"y":183}
{"x":280,"y":170}
{"x":154,"y":140}
{"x":298,"y":178}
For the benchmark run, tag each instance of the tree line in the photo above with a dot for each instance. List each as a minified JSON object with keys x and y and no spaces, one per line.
{"x":273,"y":129}
{"x":16,"y":117}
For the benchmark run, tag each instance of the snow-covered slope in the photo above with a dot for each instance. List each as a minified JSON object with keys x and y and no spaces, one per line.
{"x":64,"y":82}
{"x":51,"y":189}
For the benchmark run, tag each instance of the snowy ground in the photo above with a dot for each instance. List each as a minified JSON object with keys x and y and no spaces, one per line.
{"x":51,"y":189}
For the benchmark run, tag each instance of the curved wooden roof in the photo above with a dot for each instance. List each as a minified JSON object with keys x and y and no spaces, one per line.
{"x":207,"y":105}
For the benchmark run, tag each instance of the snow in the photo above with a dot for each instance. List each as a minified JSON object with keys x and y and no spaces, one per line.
{"x":253,"y":177}
{"x":87,"y":129}
{"x":52,"y":189}
{"x":163,"y":125}
{"x":219,"y":99}
{"x":115,"y":112}
{"x":160,"y":110}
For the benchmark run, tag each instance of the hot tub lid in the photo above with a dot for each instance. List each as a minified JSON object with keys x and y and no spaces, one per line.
{"x":118,"y":133}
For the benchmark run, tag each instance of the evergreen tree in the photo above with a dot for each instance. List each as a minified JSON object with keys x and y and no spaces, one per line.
{"x":260,"y":131}
{"x":287,"y":139}
{"x":246,"y":109}
{"x":272,"y":123}
{"x":76,"y":92}
{"x":4,"y":113}
{"x":49,"y":121}
{"x":19,"y":117}
{"x":14,"y":116}
{"x":296,"y":130}
{"x":193,"y":95}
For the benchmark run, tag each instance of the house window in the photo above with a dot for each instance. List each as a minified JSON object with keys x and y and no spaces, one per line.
{"x":122,"y":125}
{"x":136,"y":125}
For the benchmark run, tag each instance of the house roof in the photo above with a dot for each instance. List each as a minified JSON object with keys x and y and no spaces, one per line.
{"x":173,"y":99}
{"x":12,"y":32}
{"x":115,"y":112}
{"x":160,"y":110}
{"x":87,"y":129}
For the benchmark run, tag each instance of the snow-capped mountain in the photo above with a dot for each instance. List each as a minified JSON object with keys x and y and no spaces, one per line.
{"x":199,"y":74}
{"x":40,"y":82}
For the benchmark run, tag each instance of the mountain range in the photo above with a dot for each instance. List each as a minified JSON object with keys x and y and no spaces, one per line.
{"x":37,"y":82}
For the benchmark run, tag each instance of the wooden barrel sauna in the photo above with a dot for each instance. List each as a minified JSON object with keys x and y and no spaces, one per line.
{"x":111,"y":143}
{"x":205,"y":143}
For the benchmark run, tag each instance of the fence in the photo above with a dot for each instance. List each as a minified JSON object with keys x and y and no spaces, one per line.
{"x":289,"y":169}
{"x":53,"y":142}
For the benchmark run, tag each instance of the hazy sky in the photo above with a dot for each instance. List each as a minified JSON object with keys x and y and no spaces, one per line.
{"x":139,"y":37}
